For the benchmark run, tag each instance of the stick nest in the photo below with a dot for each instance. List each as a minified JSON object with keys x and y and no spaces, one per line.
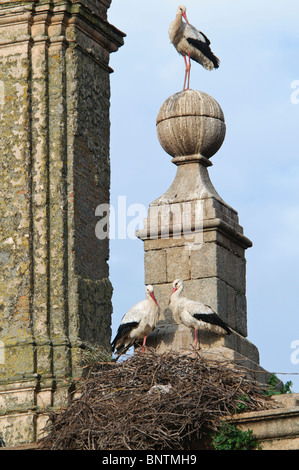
{"x":153,"y":402}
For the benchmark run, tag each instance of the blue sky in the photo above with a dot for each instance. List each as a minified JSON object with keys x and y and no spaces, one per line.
{"x":256,"y":171}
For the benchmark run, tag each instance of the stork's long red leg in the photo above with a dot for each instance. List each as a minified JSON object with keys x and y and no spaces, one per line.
{"x":186,"y":72}
{"x":189,"y":68}
{"x":143,"y":344}
{"x":195,"y":343}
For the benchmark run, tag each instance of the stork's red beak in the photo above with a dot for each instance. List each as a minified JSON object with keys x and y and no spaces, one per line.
{"x":154,"y":298}
{"x":185,"y":17}
{"x":174,"y":289}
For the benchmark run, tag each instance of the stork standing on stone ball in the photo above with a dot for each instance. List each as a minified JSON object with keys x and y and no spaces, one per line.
{"x":137,"y":323}
{"x":191,"y":43}
{"x":194,"y":314}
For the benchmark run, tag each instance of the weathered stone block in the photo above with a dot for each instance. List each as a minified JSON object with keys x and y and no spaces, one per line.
{"x":178,"y":263}
{"x":18,"y":428}
{"x":155,"y":267}
{"x":19,"y":359}
{"x":214,"y":260}
{"x":203,"y":262}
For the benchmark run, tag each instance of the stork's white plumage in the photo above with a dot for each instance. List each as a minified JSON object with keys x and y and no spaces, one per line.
{"x":137,"y":323}
{"x":194,"y":314}
{"x":191,"y":43}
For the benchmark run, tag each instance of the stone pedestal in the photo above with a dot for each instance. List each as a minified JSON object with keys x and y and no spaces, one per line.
{"x":192,"y":234}
{"x":55,"y":295}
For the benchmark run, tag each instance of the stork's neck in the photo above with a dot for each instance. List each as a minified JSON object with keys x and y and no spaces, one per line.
{"x":175,"y":27}
{"x":178,"y":21}
{"x":175,"y":296}
{"x":174,"y":305}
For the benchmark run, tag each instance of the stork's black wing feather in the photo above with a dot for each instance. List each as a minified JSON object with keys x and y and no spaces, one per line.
{"x":213,"y":319}
{"x":204,"y":48}
{"x":208,"y":42}
{"x":123,"y":329}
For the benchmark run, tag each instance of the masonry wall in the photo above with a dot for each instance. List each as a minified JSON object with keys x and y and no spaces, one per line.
{"x":55,"y":293}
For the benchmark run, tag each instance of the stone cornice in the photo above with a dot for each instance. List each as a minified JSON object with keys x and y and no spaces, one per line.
{"x":210,"y":224}
{"x":75,"y":13}
{"x":92,"y":21}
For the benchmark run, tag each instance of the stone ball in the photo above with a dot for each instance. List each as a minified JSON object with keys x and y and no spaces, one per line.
{"x":189,"y":123}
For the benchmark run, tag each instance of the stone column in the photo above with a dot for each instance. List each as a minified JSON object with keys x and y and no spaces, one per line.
{"x":55,"y":295}
{"x":192,"y":234}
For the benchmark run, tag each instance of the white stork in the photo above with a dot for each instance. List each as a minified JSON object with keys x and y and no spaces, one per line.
{"x":193,"y":314}
{"x":137,"y":323}
{"x":191,"y":43}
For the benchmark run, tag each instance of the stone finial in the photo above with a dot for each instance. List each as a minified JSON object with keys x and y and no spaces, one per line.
{"x":191,"y":127}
